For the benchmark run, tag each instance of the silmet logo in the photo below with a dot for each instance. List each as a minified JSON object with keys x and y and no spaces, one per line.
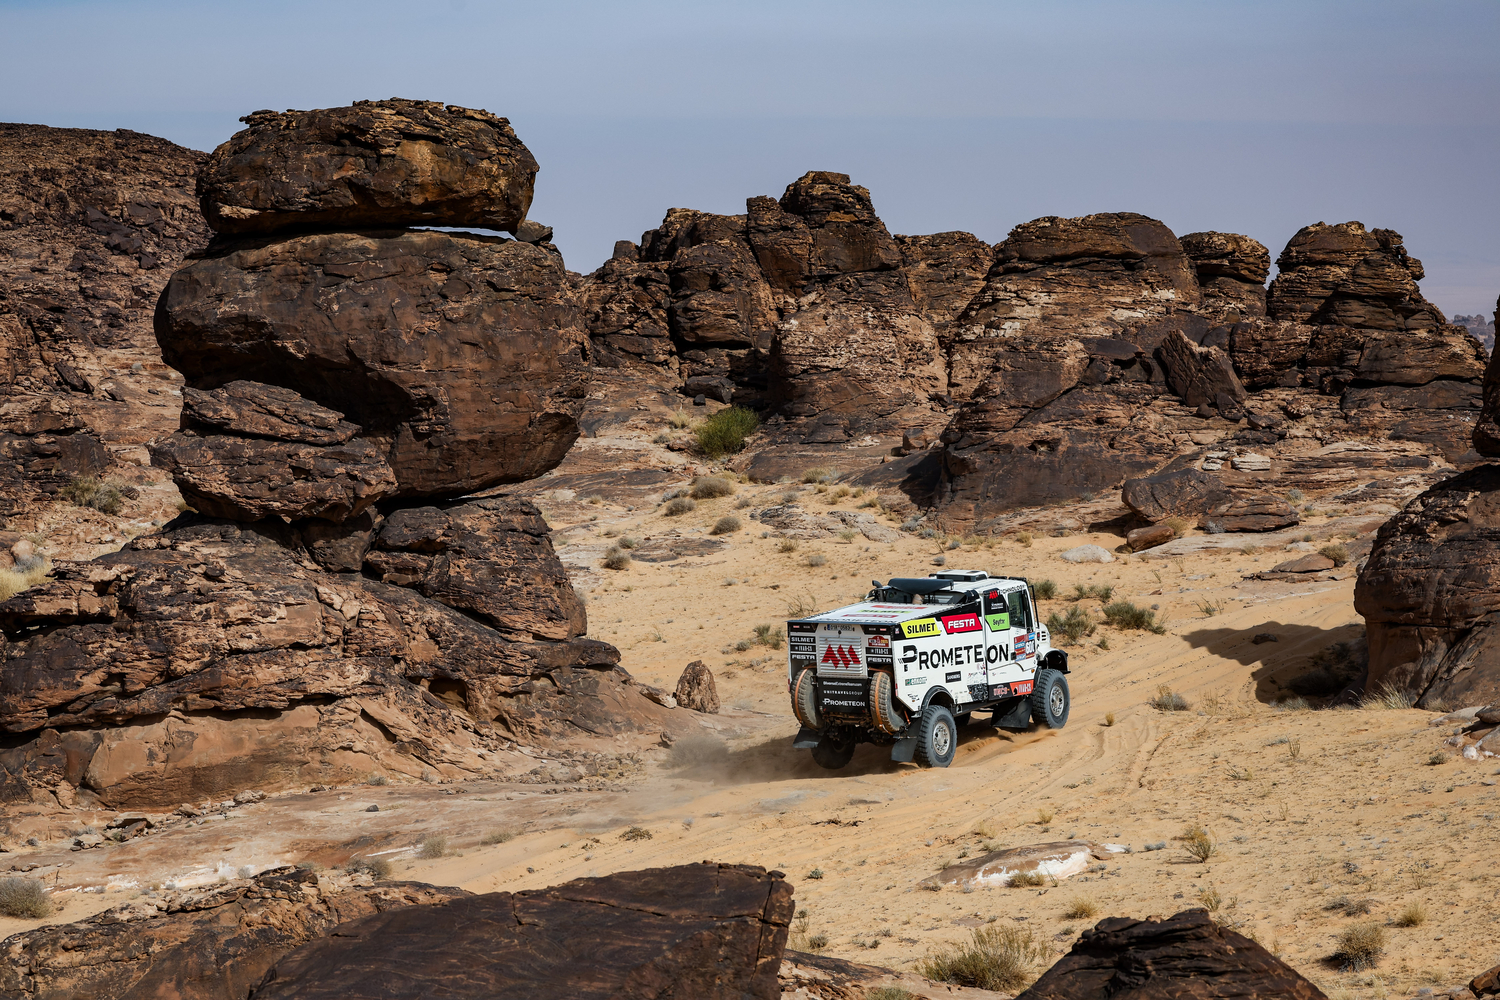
{"x":961,"y":623}
{"x":841,"y":656}
{"x":919,"y":628}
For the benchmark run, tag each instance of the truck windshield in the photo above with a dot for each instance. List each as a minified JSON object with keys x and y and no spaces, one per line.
{"x":1020,"y":609}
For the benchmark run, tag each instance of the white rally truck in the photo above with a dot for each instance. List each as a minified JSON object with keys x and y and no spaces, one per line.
{"x":910,"y":663}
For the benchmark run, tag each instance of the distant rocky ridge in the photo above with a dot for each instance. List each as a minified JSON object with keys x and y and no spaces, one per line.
{"x":1481,"y":326}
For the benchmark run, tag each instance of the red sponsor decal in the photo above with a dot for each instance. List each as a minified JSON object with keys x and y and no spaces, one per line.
{"x":1021,"y":687}
{"x":878,"y":640}
{"x":961,"y":623}
{"x":841,"y":656}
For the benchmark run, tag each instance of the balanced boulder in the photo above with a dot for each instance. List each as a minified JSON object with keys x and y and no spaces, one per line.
{"x":374,"y":164}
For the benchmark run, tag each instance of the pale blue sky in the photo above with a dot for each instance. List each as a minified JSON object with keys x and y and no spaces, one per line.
{"x":1248,"y":117}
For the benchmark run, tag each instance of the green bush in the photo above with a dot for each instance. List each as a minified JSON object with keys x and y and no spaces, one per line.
{"x":1335,"y":552}
{"x":1097,"y":591}
{"x":1124,"y":614}
{"x":1073,"y":626}
{"x":1044,"y":590}
{"x":724,"y":433}
{"x":86,"y":491}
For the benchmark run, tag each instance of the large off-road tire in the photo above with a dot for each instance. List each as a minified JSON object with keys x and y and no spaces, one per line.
{"x":805,"y":699}
{"x":831,"y":754}
{"x":884,"y":711}
{"x":1050,"y":700}
{"x":937,"y":737}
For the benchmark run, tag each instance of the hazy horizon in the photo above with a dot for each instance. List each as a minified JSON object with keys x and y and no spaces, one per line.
{"x":1251,"y":118}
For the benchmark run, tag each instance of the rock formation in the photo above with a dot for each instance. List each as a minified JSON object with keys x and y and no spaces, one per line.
{"x":1430,"y":590}
{"x":91,"y":225}
{"x":329,"y":371}
{"x":372,"y":165}
{"x":1187,"y":955}
{"x":203,"y":945}
{"x":706,"y":930}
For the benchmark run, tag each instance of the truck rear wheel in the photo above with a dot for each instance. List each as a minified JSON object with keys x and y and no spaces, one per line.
{"x":937,"y":737}
{"x":831,"y":754}
{"x":805,"y":699}
{"x":1050,"y":700}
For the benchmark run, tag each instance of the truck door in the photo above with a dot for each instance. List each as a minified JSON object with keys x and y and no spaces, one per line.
{"x":1022,"y":629}
{"x":997,"y":629}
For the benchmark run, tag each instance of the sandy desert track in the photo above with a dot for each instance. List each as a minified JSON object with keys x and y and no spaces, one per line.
{"x":1305,"y":806}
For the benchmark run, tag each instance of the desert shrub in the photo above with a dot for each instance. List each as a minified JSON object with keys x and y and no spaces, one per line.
{"x":1124,"y":614}
{"x":787,"y":545}
{"x":434,"y":846}
{"x":86,"y":491}
{"x":377,"y":779}
{"x":1044,"y":816}
{"x":1018,"y":880}
{"x":1044,"y":590}
{"x":770,"y":635}
{"x":1199,"y":843}
{"x":1179,"y":526}
{"x":848,"y":535}
{"x":1093,"y":591}
{"x":1109,"y":718}
{"x":708,"y":487}
{"x":627,"y":542}
{"x":23,"y":577}
{"x":636,"y":833}
{"x":616,"y":558}
{"x":24,"y":897}
{"x":725,"y":432}
{"x":1024,"y":539}
{"x":680,"y":421}
{"x":496,"y":837}
{"x":802,"y":606}
{"x":374,"y":867}
{"x":1335,"y":552}
{"x":679,"y":505}
{"x":1081,"y":908}
{"x":1350,"y":906}
{"x":995,"y":958}
{"x":817,"y":559}
{"x":1414,"y":915}
{"x":1167,"y":700}
{"x":889,"y":993}
{"x":1360,"y":946}
{"x":1388,"y":697}
{"x":1211,"y":899}
{"x":727,"y":525}
{"x":820,"y":474}
{"x":744,"y":502}
{"x":1073,"y":626}
{"x":940,"y":560}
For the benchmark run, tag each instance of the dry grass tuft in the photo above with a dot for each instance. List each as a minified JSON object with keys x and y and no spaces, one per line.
{"x":374,"y":867}
{"x":1019,"y":880}
{"x":1360,"y":947}
{"x":496,"y":837}
{"x":1199,"y":844}
{"x":679,"y":505}
{"x":708,"y":487}
{"x":1336,"y":552}
{"x":1413,"y":915}
{"x":24,"y":897}
{"x":13,"y":581}
{"x":727,"y":525}
{"x":1082,"y":908}
{"x":1167,"y":700}
{"x":616,"y":558}
{"x":434,"y":846}
{"x":995,"y":958}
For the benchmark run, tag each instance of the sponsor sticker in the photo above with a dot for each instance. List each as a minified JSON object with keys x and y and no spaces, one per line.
{"x":1021,"y":687}
{"x":953,"y":624}
{"x":915,"y":681}
{"x":920,"y":628}
{"x":840,"y":655}
{"x":998,"y":622}
{"x":877,"y":640}
{"x":952,"y":678}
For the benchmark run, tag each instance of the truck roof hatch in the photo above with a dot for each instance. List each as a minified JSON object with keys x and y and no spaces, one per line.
{"x":918,"y":585}
{"x":964,"y":575}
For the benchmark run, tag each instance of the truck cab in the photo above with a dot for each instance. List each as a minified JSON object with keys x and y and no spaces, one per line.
{"x":918,"y":656}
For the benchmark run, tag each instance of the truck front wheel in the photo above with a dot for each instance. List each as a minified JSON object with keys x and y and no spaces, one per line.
{"x":1050,"y":700}
{"x":832,"y":754}
{"x":937,"y":737}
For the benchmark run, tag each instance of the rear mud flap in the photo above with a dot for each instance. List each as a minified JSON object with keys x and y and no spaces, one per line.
{"x":904,"y":750}
{"x":806,"y":739}
{"x":1019,"y":716}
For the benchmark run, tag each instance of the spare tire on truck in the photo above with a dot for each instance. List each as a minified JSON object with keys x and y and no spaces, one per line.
{"x":805,"y":699}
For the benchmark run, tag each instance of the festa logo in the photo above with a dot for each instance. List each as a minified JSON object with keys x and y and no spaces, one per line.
{"x":961,"y":623}
{"x":920,"y":628}
{"x":841,"y":656}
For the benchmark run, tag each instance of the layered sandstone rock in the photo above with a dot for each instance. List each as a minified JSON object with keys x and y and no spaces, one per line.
{"x":204,"y":945}
{"x":1187,"y":955}
{"x":1232,"y":271}
{"x":374,"y":164}
{"x":1430,"y":594}
{"x":459,"y":356}
{"x":711,"y":931}
{"x":182,"y":629}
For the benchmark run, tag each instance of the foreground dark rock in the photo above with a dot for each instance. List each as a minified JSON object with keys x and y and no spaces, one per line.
{"x":371,"y":165}
{"x":211,"y":944}
{"x":458,"y":355}
{"x":1430,"y":594}
{"x":179,"y":634}
{"x":703,"y":931}
{"x":1183,"y":956}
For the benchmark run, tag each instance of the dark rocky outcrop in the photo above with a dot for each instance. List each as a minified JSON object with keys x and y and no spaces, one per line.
{"x":696,"y":689}
{"x":1183,"y":956}
{"x":707,"y":931}
{"x":1487,"y":430}
{"x":374,"y":164}
{"x":1430,"y":594}
{"x":458,"y":355}
{"x":182,"y":630}
{"x":206,"y":945}
{"x":1202,"y":376}
{"x":1202,"y":498}
{"x":1232,"y":271}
